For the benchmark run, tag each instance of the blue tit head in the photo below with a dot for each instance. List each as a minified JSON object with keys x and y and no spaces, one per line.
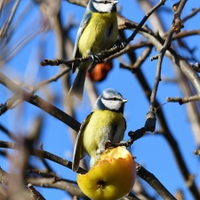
{"x":110,"y":99}
{"x":102,"y":6}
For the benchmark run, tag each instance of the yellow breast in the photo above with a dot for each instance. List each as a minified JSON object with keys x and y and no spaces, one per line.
{"x":104,"y":125}
{"x":99,"y":34}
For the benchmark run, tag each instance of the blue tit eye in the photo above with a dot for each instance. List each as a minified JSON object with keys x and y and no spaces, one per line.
{"x":115,"y":99}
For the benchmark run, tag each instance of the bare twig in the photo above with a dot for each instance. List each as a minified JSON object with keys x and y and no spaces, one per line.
{"x":39,"y":102}
{"x":52,"y":79}
{"x":8,"y":133}
{"x":197,"y":152}
{"x":9,"y":104}
{"x":148,"y":14}
{"x":140,"y":60}
{"x":154,"y":182}
{"x":28,"y":193}
{"x":8,"y":55}
{"x":150,"y":124}
{"x":192,"y":14}
{"x":19,"y":163}
{"x":196,"y":67}
{"x":42,"y":154}
{"x":184,"y":100}
{"x":4,"y":30}
{"x":56,"y":183}
{"x":79,"y":2}
{"x":175,"y":28}
{"x":160,"y":57}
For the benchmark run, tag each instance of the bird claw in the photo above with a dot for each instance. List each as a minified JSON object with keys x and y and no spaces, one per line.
{"x":121,"y":143}
{"x":108,"y":144}
{"x":121,"y":44}
{"x":95,"y":59}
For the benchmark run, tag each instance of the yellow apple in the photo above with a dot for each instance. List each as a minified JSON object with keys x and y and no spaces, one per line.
{"x":111,"y":178}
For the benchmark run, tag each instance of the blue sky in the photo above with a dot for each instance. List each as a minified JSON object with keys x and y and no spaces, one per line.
{"x":152,"y":151}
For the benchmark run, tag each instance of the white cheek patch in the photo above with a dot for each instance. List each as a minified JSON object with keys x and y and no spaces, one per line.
{"x":111,"y":105}
{"x":102,"y":7}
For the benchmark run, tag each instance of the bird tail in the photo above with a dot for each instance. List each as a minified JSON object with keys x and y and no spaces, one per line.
{"x":78,"y":85}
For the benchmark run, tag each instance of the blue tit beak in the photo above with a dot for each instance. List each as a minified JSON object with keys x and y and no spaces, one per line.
{"x":124,"y":100}
{"x":115,"y":2}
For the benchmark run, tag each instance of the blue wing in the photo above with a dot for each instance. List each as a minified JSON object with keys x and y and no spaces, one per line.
{"x":76,"y":53}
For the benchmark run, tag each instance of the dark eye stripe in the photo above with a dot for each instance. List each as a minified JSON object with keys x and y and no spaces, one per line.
{"x":105,"y":2}
{"x":112,"y":99}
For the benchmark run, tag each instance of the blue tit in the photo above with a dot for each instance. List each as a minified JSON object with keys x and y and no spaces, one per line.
{"x":97,"y":32}
{"x":105,"y":123}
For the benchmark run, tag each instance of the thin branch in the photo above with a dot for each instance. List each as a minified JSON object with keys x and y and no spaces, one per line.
{"x":194,"y":12}
{"x":148,"y":14}
{"x":174,"y":28}
{"x":28,"y":192}
{"x":4,"y":30}
{"x":11,"y":53}
{"x":39,"y":102}
{"x":184,"y":100}
{"x":160,"y":57}
{"x":196,"y":67}
{"x":140,"y":60}
{"x":8,"y":133}
{"x":52,"y":79}
{"x":56,"y":183}
{"x":9,"y":104}
{"x":154,"y":182}
{"x":197,"y":152}
{"x":19,"y":163}
{"x":43,"y":154}
{"x":79,"y":2}
{"x":150,"y":124}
